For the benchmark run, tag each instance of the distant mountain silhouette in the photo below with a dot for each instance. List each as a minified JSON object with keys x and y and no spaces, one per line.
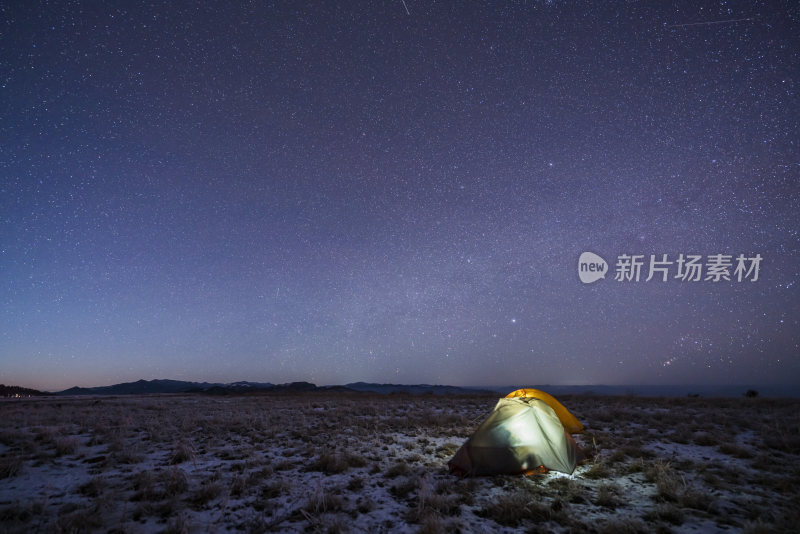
{"x":145,"y":387}
{"x":17,"y":391}
{"x":140,"y":387}
{"x":239,"y":388}
{"x":151,"y":387}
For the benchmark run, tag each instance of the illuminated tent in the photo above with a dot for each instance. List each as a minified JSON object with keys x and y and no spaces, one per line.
{"x":523,"y":434}
{"x":570,"y":422}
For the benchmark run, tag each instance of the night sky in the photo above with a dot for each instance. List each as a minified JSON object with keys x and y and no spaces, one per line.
{"x":396,"y":192}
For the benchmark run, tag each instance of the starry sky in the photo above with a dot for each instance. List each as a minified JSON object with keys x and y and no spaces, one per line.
{"x":396,"y":191}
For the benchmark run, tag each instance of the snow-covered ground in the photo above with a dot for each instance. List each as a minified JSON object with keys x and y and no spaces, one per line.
{"x":370,"y":463}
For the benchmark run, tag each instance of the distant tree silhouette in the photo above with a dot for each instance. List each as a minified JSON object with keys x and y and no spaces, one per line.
{"x":751,"y":393}
{"x":17,"y":391}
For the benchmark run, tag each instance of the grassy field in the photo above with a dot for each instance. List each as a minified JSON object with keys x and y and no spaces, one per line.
{"x":369,"y":463}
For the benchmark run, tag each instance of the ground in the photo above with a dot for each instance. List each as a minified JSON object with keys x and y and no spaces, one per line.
{"x":370,"y":463}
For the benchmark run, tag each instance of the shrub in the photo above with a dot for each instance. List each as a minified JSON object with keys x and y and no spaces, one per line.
{"x":737,"y":451}
{"x":323,"y":500}
{"x":179,"y":524}
{"x":355,"y":484}
{"x":513,"y":508}
{"x":447,"y":450}
{"x":173,"y":482}
{"x":143,"y":484}
{"x":636,"y":451}
{"x":332,"y":462}
{"x":364,"y":505}
{"x":329,"y":462}
{"x":273,"y":489}
{"x":238,"y":486}
{"x":182,"y":452}
{"x":667,"y":481}
{"x":666,"y":512}
{"x":66,"y":445}
{"x":607,"y":496}
{"x":208,"y":491}
{"x":400,"y":468}
{"x":569,"y":489}
{"x":698,"y":500}
{"x":10,"y":466}
{"x":432,"y":524}
{"x":73,"y":518}
{"x":94,"y":487}
{"x":403,"y":488}
{"x":597,"y":470}
{"x":705,"y":439}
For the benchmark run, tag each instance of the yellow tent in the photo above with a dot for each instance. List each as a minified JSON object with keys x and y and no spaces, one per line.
{"x":570,"y":422}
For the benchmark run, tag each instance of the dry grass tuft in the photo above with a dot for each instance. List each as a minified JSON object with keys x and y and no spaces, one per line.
{"x":597,"y":470}
{"x":513,"y":508}
{"x":332,"y":462}
{"x":178,"y":525}
{"x":10,"y":466}
{"x":94,"y":488}
{"x":570,"y":490}
{"x":608,"y":496}
{"x":666,"y":512}
{"x":736,"y":451}
{"x":208,"y":491}
{"x":706,"y":439}
{"x":668,"y":482}
{"x":396,"y":470}
{"x":173,"y":482}
{"x":75,"y":518}
{"x":432,"y":524}
{"x":323,"y":500}
{"x":182,"y":452}
{"x":66,"y":445}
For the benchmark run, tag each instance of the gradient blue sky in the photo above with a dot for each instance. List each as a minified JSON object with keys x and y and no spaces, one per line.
{"x":335,"y":192}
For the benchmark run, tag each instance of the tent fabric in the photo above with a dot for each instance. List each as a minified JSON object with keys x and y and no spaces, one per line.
{"x":520,"y":435}
{"x":569,"y":421}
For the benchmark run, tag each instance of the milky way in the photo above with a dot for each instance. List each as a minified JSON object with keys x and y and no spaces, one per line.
{"x":397,"y":192}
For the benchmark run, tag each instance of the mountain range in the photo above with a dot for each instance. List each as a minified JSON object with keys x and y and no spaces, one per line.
{"x":145,"y":387}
